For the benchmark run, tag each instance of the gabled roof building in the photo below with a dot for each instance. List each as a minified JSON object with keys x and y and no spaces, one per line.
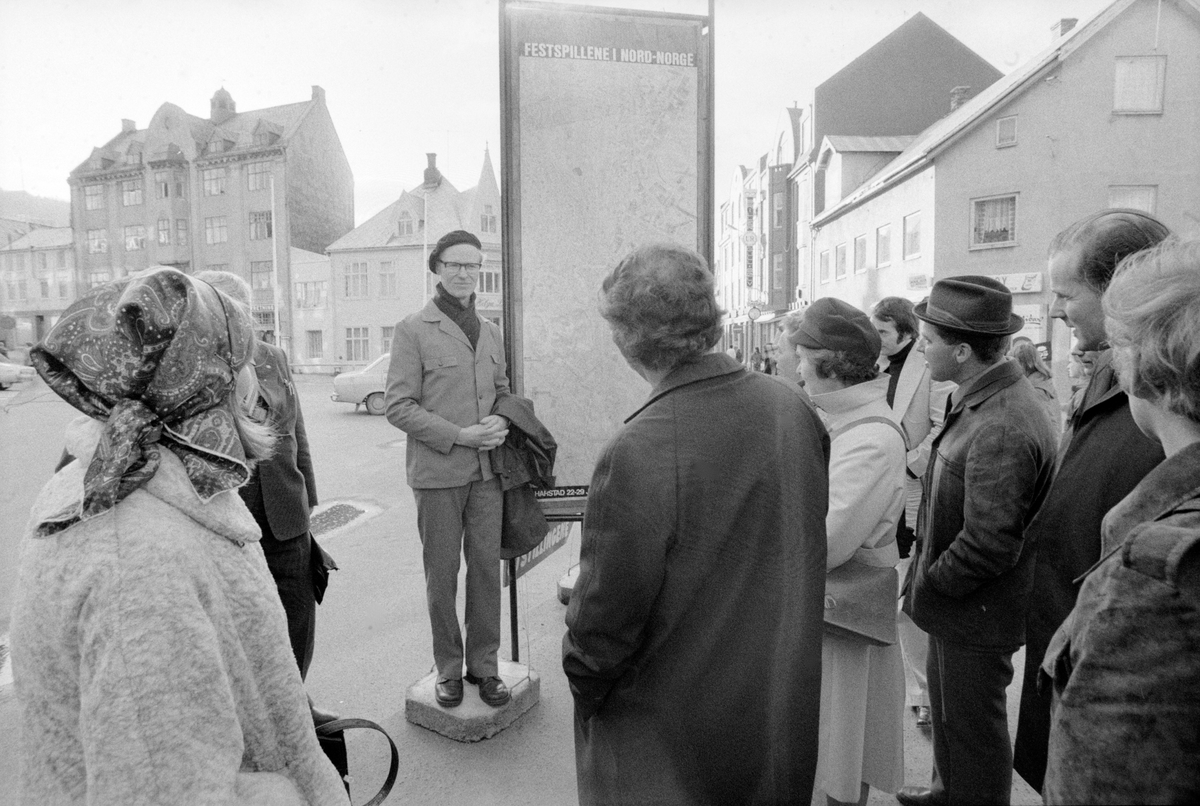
{"x":233,"y":191}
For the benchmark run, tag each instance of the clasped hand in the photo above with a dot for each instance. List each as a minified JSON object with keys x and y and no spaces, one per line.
{"x":488,"y":434}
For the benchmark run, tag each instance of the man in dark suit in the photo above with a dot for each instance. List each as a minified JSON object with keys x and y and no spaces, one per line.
{"x":990,"y":470}
{"x":282,"y":490}
{"x":1102,"y":457}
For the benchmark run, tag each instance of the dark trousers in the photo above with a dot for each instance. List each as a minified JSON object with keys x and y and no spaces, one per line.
{"x":453,"y":522}
{"x":972,"y":753}
{"x":290,"y":564}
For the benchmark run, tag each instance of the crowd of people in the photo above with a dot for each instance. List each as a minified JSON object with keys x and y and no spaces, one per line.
{"x":762,"y":557}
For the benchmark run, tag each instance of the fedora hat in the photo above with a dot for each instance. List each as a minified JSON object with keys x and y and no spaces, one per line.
{"x":970,"y":304}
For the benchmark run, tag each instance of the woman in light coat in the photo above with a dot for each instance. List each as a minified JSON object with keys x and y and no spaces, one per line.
{"x":862,"y":685}
{"x":150,"y":651}
{"x":1026,"y":354}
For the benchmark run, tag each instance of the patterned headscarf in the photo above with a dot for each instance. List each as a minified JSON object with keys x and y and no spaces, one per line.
{"x":155,"y":357}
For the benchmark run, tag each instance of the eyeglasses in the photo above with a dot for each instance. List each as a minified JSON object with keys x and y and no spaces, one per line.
{"x":469,"y":268}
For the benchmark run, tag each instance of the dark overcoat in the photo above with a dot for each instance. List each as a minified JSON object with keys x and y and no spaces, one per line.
{"x":1102,"y":458}
{"x":282,"y":489}
{"x":693,"y":648}
{"x":1125,"y":665}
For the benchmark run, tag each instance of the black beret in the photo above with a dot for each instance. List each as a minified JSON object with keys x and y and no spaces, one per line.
{"x":448,"y":240}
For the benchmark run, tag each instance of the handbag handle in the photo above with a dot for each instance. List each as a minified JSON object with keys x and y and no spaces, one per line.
{"x":338,"y":725}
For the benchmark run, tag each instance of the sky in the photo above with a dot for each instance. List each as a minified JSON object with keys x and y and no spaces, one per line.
{"x":407,"y":77}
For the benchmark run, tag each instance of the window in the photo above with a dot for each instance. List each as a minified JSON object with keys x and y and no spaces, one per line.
{"x":489,"y":280}
{"x":93,"y":197}
{"x":217,"y":267}
{"x":181,"y":232}
{"x":356,"y":344}
{"x":164,"y":231}
{"x":131,"y":192}
{"x":215,"y":230}
{"x":61,"y":258}
{"x":162,"y":185}
{"x":883,"y":245}
{"x":406,"y":224}
{"x":262,"y":285}
{"x":41,"y":260}
{"x":311,"y":294}
{"x":385,"y":339}
{"x":97,"y":241}
{"x":824,"y":266}
{"x":179,"y":186}
{"x":133,"y":157}
{"x":994,"y":221}
{"x":1133,"y":197}
{"x":44,"y":287}
{"x":1138,"y":86}
{"x":777,"y":210}
{"x":487,"y":220}
{"x":135,"y":238}
{"x":860,"y":254}
{"x":839,"y":261}
{"x":315,"y":341}
{"x":387,"y":278}
{"x":64,"y":286}
{"x":260,"y":226}
{"x":356,"y":280}
{"x":214,"y":181}
{"x":1006,"y":131}
{"x":777,"y":270}
{"x":258,"y":176}
{"x":22,"y":289}
{"x":912,"y":235}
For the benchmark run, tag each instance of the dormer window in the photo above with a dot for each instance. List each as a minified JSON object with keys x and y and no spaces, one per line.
{"x":487,"y":220}
{"x":406,"y":224}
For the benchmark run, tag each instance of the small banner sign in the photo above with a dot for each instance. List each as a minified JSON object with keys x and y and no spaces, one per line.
{"x":556,"y":539}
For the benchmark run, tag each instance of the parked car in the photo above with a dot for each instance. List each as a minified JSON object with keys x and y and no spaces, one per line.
{"x":364,"y":386}
{"x":14,"y":373}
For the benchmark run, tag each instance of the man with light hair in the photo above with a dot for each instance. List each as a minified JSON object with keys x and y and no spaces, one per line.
{"x":1101,"y":458}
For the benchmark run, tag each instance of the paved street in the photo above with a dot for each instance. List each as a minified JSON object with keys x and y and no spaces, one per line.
{"x":372,"y":633}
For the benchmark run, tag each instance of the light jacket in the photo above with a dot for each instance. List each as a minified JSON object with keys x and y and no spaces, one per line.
{"x":693,"y":647}
{"x":920,"y":405}
{"x":1125,"y":668}
{"x":437,"y":386}
{"x":151,"y":658}
{"x":989,"y":474}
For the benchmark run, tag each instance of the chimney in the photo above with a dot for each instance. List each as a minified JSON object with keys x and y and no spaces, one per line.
{"x":433,"y":177}
{"x":221,"y":107}
{"x":1062,"y":28}
{"x":127,"y":126}
{"x":959,"y":96}
{"x":318,"y":94}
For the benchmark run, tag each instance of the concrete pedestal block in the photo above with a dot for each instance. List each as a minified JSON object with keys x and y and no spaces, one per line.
{"x":473,"y":720}
{"x":566,"y":584}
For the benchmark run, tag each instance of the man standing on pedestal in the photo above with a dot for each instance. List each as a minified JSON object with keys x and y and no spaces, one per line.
{"x":990,"y":470}
{"x":446,"y":374}
{"x":1103,"y":455}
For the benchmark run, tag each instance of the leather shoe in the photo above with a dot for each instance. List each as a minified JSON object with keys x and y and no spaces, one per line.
{"x":918,"y":796}
{"x":491,"y":690}
{"x":924,"y":719}
{"x":448,"y":692}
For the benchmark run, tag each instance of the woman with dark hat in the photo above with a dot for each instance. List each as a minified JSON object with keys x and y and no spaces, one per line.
{"x":862,"y":685}
{"x":150,"y":652}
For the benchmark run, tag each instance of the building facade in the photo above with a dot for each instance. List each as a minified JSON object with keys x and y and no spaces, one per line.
{"x":379,"y":272}
{"x":1106,"y":117}
{"x":37,"y":282}
{"x":234,"y":191}
{"x":896,"y":88}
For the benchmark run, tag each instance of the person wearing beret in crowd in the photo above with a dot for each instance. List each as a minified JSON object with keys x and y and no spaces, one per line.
{"x":862,"y":685}
{"x":693,"y":633}
{"x":446,"y":375}
{"x":1123,"y":669}
{"x":989,"y":473}
{"x":150,"y":652}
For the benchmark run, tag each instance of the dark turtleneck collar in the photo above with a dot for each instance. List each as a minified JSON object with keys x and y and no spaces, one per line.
{"x":462,"y":315}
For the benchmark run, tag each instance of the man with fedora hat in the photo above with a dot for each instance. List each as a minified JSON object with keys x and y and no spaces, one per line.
{"x":989,"y":471}
{"x":446,"y":374}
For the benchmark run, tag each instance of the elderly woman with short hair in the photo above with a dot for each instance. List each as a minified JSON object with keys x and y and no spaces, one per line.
{"x":694,"y":628}
{"x":862,"y":684}
{"x":1125,"y":724}
{"x":150,"y":652}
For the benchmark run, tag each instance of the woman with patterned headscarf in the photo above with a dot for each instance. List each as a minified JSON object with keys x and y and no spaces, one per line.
{"x":150,"y":652}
